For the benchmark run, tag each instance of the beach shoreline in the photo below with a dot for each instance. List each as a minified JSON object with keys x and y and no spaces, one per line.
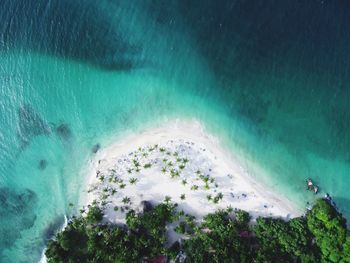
{"x":239,"y":189}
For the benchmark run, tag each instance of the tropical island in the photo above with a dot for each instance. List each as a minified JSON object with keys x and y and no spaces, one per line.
{"x":172,"y":194}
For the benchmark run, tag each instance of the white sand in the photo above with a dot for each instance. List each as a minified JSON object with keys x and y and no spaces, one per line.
{"x":204,"y":153}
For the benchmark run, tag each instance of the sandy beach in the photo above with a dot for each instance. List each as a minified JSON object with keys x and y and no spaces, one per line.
{"x":182,"y":162}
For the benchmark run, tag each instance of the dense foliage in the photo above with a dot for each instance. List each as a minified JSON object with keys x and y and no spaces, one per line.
{"x":284,"y":241}
{"x":218,"y":240}
{"x":85,"y":239}
{"x":330,"y":232}
{"x":225,"y":236}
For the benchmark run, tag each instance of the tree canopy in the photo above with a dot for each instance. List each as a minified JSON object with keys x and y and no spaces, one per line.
{"x":330,"y":232}
{"x":224,"y":236}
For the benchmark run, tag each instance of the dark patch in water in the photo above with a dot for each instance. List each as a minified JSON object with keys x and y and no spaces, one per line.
{"x":16,"y":213}
{"x":53,"y":227}
{"x":63,"y":131}
{"x":96,"y":147}
{"x":31,"y":124}
{"x":87,"y":31}
{"x":42,"y":164}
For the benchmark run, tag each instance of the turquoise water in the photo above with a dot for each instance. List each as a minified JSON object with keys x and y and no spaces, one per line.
{"x":270,"y":79}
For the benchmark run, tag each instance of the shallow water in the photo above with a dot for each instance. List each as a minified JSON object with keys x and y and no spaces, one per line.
{"x":270,"y":79}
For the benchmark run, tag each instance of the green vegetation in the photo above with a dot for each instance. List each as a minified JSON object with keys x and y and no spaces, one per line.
{"x":330,"y":232}
{"x":167,"y":199}
{"x":218,"y":198}
{"x":181,"y":228}
{"x":194,"y":187}
{"x":224,"y":236}
{"x":126,"y":200}
{"x":285,"y":241}
{"x":87,"y":240}
{"x":147,"y":165}
{"x":174,"y":173}
{"x":218,"y":240}
{"x":94,"y":215}
{"x":136,"y":163}
{"x":133,"y":180}
{"x":162,"y":149}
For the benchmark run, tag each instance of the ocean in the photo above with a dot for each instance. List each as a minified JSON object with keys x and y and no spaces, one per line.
{"x":269,"y":78}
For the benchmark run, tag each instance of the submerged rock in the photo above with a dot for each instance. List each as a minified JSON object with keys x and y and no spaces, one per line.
{"x":31,"y":124}
{"x":17,"y":213}
{"x":42,"y":164}
{"x":96,"y":147}
{"x":63,"y":131}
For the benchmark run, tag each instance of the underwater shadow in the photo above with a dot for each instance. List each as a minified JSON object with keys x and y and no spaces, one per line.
{"x":30,"y":124}
{"x":16,"y":213}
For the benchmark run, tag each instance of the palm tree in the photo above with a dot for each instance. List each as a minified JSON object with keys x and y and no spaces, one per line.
{"x":167,"y":199}
{"x":133,"y":180}
{"x":194,"y":187}
{"x":126,"y":200}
